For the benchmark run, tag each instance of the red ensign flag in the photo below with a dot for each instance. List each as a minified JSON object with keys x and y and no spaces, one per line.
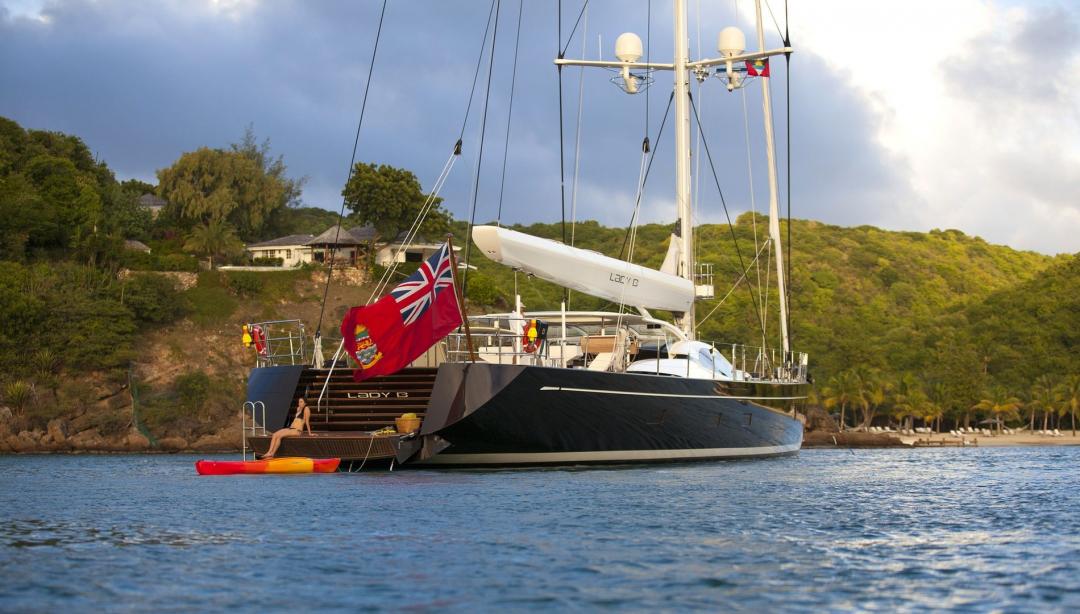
{"x":392,"y":332}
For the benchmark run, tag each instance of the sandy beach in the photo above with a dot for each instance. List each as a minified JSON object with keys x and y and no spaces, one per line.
{"x":1016,"y":439}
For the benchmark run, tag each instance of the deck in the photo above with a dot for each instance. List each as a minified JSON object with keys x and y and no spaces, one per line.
{"x":346,"y":445}
{"x":343,"y":423}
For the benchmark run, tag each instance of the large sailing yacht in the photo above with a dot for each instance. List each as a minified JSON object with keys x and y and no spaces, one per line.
{"x":566,"y":387}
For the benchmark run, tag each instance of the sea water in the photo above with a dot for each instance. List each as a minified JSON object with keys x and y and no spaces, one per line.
{"x":962,"y":528}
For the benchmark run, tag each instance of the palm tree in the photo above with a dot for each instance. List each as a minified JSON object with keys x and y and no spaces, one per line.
{"x":938,"y":399}
{"x":215,"y":238}
{"x":839,"y":390}
{"x":999,"y":403}
{"x":1043,"y":397}
{"x":1068,"y":394}
{"x":877,"y":392}
{"x":907,"y":398}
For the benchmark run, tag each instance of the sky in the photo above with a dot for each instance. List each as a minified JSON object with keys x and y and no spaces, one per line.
{"x":907,"y":115}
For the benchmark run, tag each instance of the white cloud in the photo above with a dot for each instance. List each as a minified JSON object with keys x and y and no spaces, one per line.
{"x":980,"y":100}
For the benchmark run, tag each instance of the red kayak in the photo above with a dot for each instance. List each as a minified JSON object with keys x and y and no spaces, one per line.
{"x":270,"y":465}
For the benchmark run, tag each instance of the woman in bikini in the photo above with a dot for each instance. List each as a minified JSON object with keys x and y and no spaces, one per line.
{"x":299,"y":423}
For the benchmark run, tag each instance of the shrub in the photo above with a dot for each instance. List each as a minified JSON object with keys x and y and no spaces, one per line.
{"x":18,"y":394}
{"x":483,"y":291}
{"x":193,"y":389}
{"x":245,"y":283}
{"x":89,"y":333}
{"x":268,"y":261}
{"x":162,"y":414}
{"x":178,"y":262}
{"x":111,"y":422}
{"x":153,"y":299}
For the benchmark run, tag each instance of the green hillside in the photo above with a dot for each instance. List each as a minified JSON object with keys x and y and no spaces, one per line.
{"x":896,"y":302}
{"x":1031,"y":328}
{"x":917,"y":324}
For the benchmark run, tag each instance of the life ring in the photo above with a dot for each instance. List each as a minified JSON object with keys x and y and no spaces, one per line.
{"x":258,"y":337}
{"x":532,"y":336}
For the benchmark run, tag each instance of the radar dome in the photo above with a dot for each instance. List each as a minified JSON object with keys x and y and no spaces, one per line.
{"x":628,"y":47}
{"x":731,"y":42}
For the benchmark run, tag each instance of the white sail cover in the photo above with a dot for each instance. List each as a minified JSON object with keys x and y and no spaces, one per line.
{"x":585,"y":271}
{"x":671,"y":259}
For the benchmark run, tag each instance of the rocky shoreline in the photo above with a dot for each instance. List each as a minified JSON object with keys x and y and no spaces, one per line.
{"x":61,"y":437}
{"x":825,"y":439}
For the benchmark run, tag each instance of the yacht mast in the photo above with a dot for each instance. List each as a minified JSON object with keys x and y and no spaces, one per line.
{"x":628,"y":51}
{"x":682,"y":155}
{"x":774,"y":206}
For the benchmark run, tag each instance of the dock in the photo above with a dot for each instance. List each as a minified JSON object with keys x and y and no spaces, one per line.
{"x":944,"y":442}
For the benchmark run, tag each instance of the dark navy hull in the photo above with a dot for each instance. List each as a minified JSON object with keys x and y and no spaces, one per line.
{"x":485,"y":414}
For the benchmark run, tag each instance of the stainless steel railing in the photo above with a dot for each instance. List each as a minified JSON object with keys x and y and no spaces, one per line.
{"x":278,"y":342}
{"x":766,"y":364}
{"x":257,"y":427}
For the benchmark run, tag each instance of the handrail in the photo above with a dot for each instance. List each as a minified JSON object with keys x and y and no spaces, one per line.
{"x":244,"y":426}
{"x":295,"y":333}
{"x":326,"y":382}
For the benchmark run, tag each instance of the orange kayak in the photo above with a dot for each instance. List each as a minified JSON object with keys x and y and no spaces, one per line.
{"x":270,"y":465}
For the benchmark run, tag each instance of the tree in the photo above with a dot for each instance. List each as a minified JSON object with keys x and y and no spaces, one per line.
{"x":391,"y":199}
{"x":1068,"y":393}
{"x":214,"y":238}
{"x":123,"y":215}
{"x":1043,"y":397}
{"x":153,"y":299}
{"x":274,"y":168}
{"x":877,"y":392}
{"x":909,"y":400}
{"x":211,"y":185}
{"x":999,"y":403}
{"x":842,"y":390}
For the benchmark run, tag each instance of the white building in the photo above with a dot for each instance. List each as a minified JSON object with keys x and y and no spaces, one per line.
{"x":420,"y":250}
{"x":293,"y":249}
{"x":347,"y":247}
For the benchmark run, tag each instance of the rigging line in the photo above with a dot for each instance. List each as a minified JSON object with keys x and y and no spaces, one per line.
{"x":476,"y":73}
{"x":562,"y":50}
{"x":410,"y":234}
{"x":648,"y":60}
{"x":352,"y":163}
{"x":633,"y":235}
{"x":731,"y":227}
{"x":787,"y":164}
{"x":480,"y":152}
{"x":510,"y":111}
{"x":637,"y":206}
{"x":577,"y":132}
{"x":779,"y":32}
{"x":562,"y":136}
{"x":644,"y":147}
{"x":765,"y":300}
{"x":753,"y":199}
{"x":734,"y":286}
{"x":695,"y":193}
{"x":652,"y":157}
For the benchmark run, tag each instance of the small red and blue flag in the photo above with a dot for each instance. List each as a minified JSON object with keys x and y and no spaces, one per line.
{"x":757,"y":68}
